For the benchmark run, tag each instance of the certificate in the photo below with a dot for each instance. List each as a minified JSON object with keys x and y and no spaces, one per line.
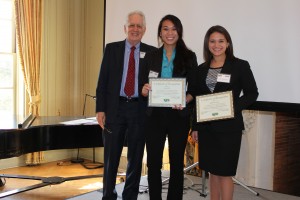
{"x":167,"y":92}
{"x":214,"y":106}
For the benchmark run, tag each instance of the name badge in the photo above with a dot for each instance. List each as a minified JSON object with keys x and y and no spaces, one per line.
{"x":142,"y":54}
{"x":224,"y":78}
{"x":153,"y":74}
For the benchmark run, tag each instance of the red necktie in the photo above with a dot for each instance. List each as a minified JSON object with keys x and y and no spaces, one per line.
{"x":129,"y":85}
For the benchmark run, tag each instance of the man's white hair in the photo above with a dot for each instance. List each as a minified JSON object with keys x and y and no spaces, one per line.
{"x":138,"y":12}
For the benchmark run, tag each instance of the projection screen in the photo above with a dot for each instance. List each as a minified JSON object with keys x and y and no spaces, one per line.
{"x":265,"y":33}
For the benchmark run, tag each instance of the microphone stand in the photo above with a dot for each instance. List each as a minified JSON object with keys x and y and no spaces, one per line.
{"x":77,"y":159}
{"x":94,"y":164}
{"x":87,"y":95}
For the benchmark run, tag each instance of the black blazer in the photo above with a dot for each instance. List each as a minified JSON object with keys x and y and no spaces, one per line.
{"x":242,"y":80}
{"x":110,"y":78}
{"x":153,"y":62}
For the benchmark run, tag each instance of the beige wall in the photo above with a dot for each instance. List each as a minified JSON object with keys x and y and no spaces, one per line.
{"x":71,"y":55}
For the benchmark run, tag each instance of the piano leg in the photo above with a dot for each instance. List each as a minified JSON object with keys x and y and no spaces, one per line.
{"x":45,"y":181}
{"x":2,"y":182}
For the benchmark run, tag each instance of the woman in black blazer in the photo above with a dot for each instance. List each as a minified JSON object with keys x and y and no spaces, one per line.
{"x":219,"y":141}
{"x":172,"y":60}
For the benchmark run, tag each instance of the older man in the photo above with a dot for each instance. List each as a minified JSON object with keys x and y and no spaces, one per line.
{"x":120,"y":109}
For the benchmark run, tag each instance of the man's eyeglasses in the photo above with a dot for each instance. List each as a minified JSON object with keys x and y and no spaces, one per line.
{"x":139,"y":26}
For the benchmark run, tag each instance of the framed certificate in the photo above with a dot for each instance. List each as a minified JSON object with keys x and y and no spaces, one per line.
{"x":167,"y":92}
{"x":215,"y":106}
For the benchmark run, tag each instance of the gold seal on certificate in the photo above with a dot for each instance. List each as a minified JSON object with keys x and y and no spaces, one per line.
{"x":167,"y":92}
{"x":214,"y":106}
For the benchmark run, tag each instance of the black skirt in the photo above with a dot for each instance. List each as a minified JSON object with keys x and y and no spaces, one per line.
{"x":219,"y":151}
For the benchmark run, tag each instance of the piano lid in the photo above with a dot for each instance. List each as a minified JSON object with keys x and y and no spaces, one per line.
{"x":23,"y":122}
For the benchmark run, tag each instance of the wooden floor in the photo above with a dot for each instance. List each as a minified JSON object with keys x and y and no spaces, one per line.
{"x":60,"y":191}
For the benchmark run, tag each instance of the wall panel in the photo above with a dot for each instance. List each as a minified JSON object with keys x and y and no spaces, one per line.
{"x":72,"y":51}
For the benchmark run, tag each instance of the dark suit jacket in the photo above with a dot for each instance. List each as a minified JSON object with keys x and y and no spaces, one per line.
{"x":242,"y":80}
{"x":110,"y":78}
{"x":154,"y":63}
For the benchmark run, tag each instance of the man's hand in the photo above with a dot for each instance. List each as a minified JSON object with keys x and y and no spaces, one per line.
{"x":145,"y":90}
{"x":100,"y":116}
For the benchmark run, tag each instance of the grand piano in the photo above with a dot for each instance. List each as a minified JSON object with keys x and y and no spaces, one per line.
{"x":46,"y":133}
{"x":41,"y":134}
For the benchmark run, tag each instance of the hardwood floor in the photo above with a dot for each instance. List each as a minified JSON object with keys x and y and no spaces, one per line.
{"x":60,"y":191}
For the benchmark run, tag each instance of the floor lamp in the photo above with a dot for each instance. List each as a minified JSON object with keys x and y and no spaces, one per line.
{"x":93,"y":164}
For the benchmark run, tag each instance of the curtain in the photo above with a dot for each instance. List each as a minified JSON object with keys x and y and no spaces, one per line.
{"x":29,"y":30}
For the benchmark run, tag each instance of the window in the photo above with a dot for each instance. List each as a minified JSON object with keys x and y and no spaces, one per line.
{"x":7,"y":59}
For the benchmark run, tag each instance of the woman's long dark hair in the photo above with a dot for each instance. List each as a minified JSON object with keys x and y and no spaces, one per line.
{"x":183,"y":54}
{"x":207,"y":55}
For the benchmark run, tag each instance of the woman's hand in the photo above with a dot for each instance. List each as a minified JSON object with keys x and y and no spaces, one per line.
{"x":177,"y":107}
{"x":188,"y":99}
{"x":145,"y":90}
{"x":195,"y":135}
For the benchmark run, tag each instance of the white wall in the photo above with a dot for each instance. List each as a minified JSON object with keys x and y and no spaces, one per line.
{"x":256,"y":163}
{"x":265,"y":151}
